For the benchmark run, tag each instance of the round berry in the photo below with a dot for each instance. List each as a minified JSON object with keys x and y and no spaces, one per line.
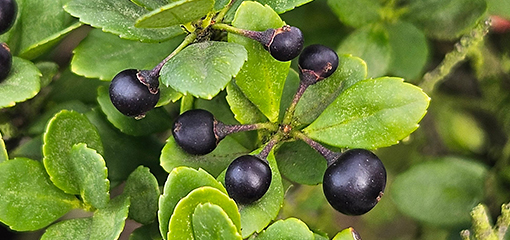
{"x":8,"y":10}
{"x":319,"y":61}
{"x":355,"y":182}
{"x":194,"y":132}
{"x":5,"y":61}
{"x":247,"y":179}
{"x":130,"y":96}
{"x":286,"y":44}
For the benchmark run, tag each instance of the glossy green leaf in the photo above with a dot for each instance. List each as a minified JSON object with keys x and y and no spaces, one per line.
{"x":108,"y":223}
{"x":3,"y":150}
{"x":22,"y":83}
{"x":356,"y":13}
{"x":218,"y":160}
{"x":445,"y":19}
{"x":88,"y":171}
{"x":318,"y":96}
{"x":371,"y":44}
{"x":300,"y":163}
{"x":103,"y":55}
{"x":210,"y":221}
{"x":372,"y":113}
{"x":76,"y":229}
{"x":64,"y":130}
{"x":29,"y":201}
{"x":203,"y":69}
{"x":40,"y":125}
{"x":150,"y":4}
{"x":175,"y":13}
{"x":71,"y":87}
{"x":440,"y":192}
{"x":118,"y":17}
{"x":48,"y":71}
{"x":347,"y":234}
{"x":180,"y":182}
{"x":288,"y":229}
{"x":143,"y":191}
{"x":244,"y":111}
{"x":156,"y":120}
{"x":262,"y":78}
{"x":409,"y":50}
{"x":181,"y":220}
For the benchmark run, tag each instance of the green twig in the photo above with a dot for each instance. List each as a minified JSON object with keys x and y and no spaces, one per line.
{"x":503,"y":221}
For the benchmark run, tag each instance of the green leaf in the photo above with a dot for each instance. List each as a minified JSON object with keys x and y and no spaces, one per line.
{"x":288,"y":229}
{"x":28,"y":199}
{"x":261,"y":78}
{"x":118,"y":17}
{"x":210,"y":221}
{"x":108,"y":223}
{"x":440,"y":192}
{"x":88,"y":171}
{"x":244,"y":111}
{"x":318,"y":96}
{"x":76,"y":229}
{"x":31,"y":149}
{"x":181,"y":220}
{"x":180,"y":182}
{"x":278,"y":6}
{"x":356,"y":13}
{"x":65,"y":130}
{"x":98,"y":55}
{"x":499,"y":7}
{"x":347,"y":234}
{"x":203,"y":69}
{"x":372,"y":113}
{"x":445,"y":19}
{"x":71,"y":87}
{"x":371,"y":44}
{"x":156,"y":120}
{"x":289,"y":90}
{"x":227,"y":150}
{"x":300,"y":163}
{"x":143,"y":191}
{"x":3,"y":150}
{"x":175,"y":13}
{"x":40,"y":125}
{"x":48,"y":70}
{"x":146,"y":232}
{"x":409,"y":50}
{"x":21,"y":84}
{"x":150,"y":4}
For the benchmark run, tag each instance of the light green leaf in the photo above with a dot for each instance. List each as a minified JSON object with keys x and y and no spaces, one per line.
{"x":76,"y":229}
{"x":108,"y":223}
{"x":210,"y":221}
{"x":150,"y":4}
{"x":65,"y":130}
{"x":88,"y":171}
{"x":347,"y":234}
{"x":180,"y":182}
{"x":356,"y":13}
{"x":180,"y":226}
{"x":440,"y":192}
{"x":203,"y":69}
{"x":244,"y":111}
{"x":278,"y":6}
{"x":300,"y":163}
{"x":48,"y":71}
{"x":371,"y":44}
{"x":118,"y":17}
{"x":103,"y":55}
{"x":262,"y":78}
{"x":288,"y":229}
{"x":3,"y":150}
{"x":143,"y":191}
{"x":28,"y":199}
{"x":372,"y":113}
{"x":22,"y":83}
{"x":175,"y":13}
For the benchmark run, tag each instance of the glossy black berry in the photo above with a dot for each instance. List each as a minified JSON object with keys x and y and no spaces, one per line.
{"x":8,"y":10}
{"x":355,"y":182}
{"x":130,"y":95}
{"x":247,"y":179}
{"x":5,"y":61}
{"x":318,"y":61}
{"x":286,"y":44}
{"x":194,"y":132}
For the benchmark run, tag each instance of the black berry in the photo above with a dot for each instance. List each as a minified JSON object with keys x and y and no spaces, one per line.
{"x":8,"y":10}
{"x":317,"y":62}
{"x":247,"y":179}
{"x":355,"y":182}
{"x":5,"y":61}
{"x":130,"y":95}
{"x":194,"y":132}
{"x":286,"y":44}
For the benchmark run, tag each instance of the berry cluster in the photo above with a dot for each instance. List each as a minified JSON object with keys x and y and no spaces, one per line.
{"x":8,"y":12}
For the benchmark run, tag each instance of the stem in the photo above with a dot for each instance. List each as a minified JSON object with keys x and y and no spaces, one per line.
{"x":329,"y":155}
{"x":186,"y":103}
{"x":481,"y":224}
{"x":263,"y":37}
{"x":269,"y":146}
{"x":222,"y":130}
{"x":503,"y":221}
{"x":224,"y":11}
{"x":188,"y":40}
{"x":287,"y":119}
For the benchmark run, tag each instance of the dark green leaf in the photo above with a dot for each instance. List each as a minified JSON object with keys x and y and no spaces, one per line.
{"x":372,"y":113}
{"x":288,"y":229}
{"x":210,"y":221}
{"x":3,"y":150}
{"x":440,"y":192}
{"x":40,"y":125}
{"x":31,"y":149}
{"x":71,"y":87}
{"x":262,"y":78}
{"x":143,"y":191}
{"x":48,"y":71}
{"x":28,"y":199}
{"x":146,"y":232}
{"x":175,"y":13}
{"x":220,"y":4}
{"x":108,"y":223}
{"x":300,"y":163}
{"x":150,"y":4}
{"x":289,"y":90}
{"x":244,"y":111}
{"x":118,"y":17}
{"x":203,"y":69}
{"x":65,"y":130}
{"x":356,"y":13}
{"x":76,"y":229}
{"x":21,"y":84}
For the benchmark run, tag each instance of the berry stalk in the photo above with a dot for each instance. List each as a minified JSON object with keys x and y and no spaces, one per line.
{"x":287,"y":119}
{"x":187,"y":41}
{"x":224,"y":11}
{"x":269,"y":146}
{"x":222,"y":130}
{"x":329,"y":155}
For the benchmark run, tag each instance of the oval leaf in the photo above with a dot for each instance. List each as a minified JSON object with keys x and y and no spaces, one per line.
{"x":300,"y":163}
{"x":210,"y":221}
{"x":76,"y":229}
{"x":371,"y":114}
{"x":244,"y":111}
{"x":22,"y":83}
{"x":175,"y":13}
{"x":288,"y":229}
{"x":203,"y":69}
{"x":143,"y":191}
